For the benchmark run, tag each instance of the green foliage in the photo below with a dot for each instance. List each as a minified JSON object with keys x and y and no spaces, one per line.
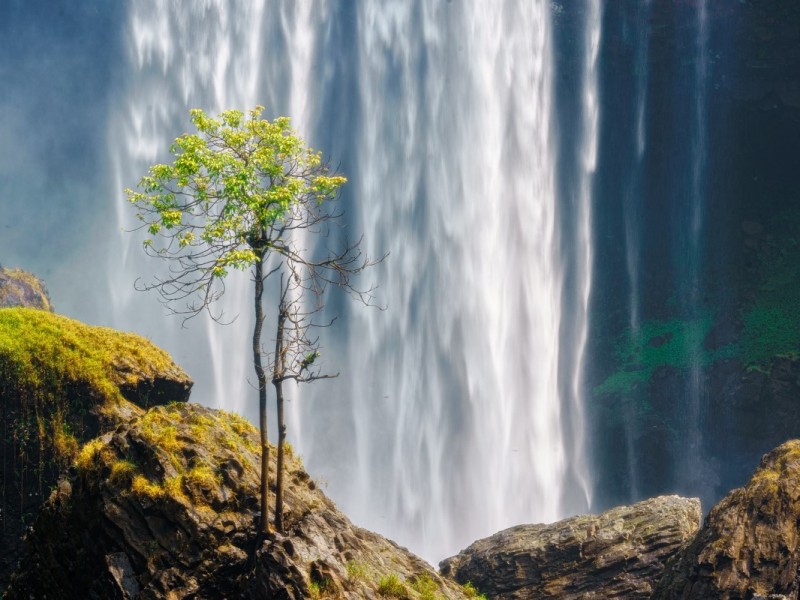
{"x":356,"y":571}
{"x":320,"y":589}
{"x":392,"y":587}
{"x":314,"y":590}
{"x":471,"y":592}
{"x":224,"y":200}
{"x":426,"y":587}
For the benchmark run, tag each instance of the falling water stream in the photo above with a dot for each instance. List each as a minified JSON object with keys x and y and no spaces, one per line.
{"x":633,"y":208}
{"x":448,"y":421}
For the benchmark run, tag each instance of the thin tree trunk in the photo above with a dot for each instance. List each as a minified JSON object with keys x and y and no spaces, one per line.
{"x":278,"y":383}
{"x":262,"y":395}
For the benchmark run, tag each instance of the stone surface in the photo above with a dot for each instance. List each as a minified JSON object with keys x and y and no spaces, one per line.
{"x":166,"y":506}
{"x":61,"y":384}
{"x":20,"y":288}
{"x":749,"y":545}
{"x":618,"y":554}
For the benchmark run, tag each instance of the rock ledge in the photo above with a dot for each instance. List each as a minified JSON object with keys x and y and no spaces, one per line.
{"x":618,"y":554}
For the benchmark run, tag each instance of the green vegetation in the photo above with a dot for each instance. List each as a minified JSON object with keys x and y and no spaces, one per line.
{"x":675,"y":343}
{"x":471,"y":592}
{"x":770,"y":322}
{"x":392,"y":587}
{"x":187,"y":478}
{"x":357,"y":571}
{"x":57,"y":376}
{"x":426,"y":587}
{"x":44,"y":355}
{"x":422,"y":586}
{"x":314,"y":590}
{"x":320,"y":589}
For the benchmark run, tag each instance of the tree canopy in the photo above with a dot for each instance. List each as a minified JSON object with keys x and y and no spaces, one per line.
{"x":235,"y":191}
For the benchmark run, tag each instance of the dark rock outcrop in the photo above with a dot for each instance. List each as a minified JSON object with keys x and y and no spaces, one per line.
{"x":61,"y":384}
{"x":618,"y":554}
{"x":749,"y":545}
{"x":20,"y":288}
{"x":165,"y":507}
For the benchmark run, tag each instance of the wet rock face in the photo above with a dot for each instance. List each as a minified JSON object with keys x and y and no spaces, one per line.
{"x":749,"y":545}
{"x":618,"y":554}
{"x":19,"y":288}
{"x":166,"y":507}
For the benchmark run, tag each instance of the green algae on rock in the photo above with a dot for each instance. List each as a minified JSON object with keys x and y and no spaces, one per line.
{"x":20,"y":288}
{"x":166,"y":507}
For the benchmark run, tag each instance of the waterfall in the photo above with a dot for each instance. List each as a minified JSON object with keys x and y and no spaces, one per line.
{"x":694,"y":250}
{"x":205,"y":55}
{"x":632,"y":215}
{"x":449,"y":421}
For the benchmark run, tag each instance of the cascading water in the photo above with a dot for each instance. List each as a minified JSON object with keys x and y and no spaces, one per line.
{"x":449,"y":420}
{"x":633,"y":214}
{"x":694,"y":258}
{"x":180,"y":57}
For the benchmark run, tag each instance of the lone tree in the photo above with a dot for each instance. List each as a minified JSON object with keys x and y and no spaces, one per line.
{"x":239,"y":195}
{"x":296,"y":348}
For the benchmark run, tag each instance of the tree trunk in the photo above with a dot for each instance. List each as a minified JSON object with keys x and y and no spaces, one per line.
{"x":262,"y":395}
{"x":278,"y":383}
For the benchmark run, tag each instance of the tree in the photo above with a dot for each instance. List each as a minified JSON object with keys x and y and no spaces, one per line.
{"x":238,"y":194}
{"x":296,"y":350}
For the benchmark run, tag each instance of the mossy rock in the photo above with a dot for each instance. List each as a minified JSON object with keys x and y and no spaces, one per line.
{"x":166,"y":506}
{"x":749,"y":544}
{"x":62,"y":383}
{"x":20,"y":288}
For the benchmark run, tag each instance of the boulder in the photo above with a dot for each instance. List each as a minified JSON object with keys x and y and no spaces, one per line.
{"x":618,"y":554}
{"x":166,"y":507}
{"x":61,"y":384}
{"x":749,"y":545}
{"x":20,"y":288}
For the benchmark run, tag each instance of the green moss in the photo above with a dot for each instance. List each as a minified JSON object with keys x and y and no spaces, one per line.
{"x":43,"y":354}
{"x":122,"y":472}
{"x":90,"y":455}
{"x":675,"y":343}
{"x":174,"y":433}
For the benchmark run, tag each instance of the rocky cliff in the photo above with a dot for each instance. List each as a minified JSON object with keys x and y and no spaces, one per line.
{"x":618,"y":554}
{"x":61,"y":384}
{"x":749,"y":545}
{"x":165,"y":507}
{"x":20,"y":288}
